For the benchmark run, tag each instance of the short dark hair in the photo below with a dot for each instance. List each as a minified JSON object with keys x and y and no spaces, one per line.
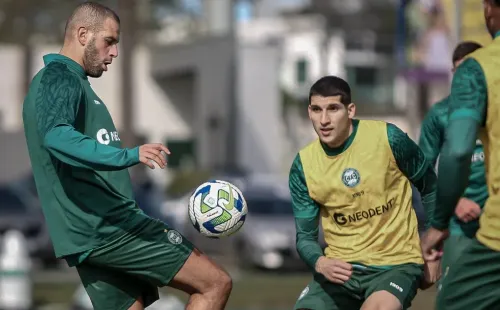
{"x":330,"y":86}
{"x":465,"y":48}
{"x":90,"y":14}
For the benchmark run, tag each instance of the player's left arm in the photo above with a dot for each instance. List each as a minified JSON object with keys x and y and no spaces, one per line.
{"x":431,"y":140}
{"x":467,"y":113}
{"x":413,"y":164}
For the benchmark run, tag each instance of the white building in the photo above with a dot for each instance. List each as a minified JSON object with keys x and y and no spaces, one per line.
{"x":185,"y":88}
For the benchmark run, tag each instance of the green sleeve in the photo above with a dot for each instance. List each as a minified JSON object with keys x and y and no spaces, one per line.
{"x":467,"y":112}
{"x":414,"y":165}
{"x":431,"y":133}
{"x":57,"y":104}
{"x":306,"y":213}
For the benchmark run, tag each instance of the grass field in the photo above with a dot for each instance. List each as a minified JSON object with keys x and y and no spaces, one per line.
{"x":259,"y":291}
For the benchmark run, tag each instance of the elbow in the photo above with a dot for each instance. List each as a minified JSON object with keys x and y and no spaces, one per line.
{"x":299,"y":244}
{"x":50,"y":138}
{"x":458,"y":150}
{"x":298,"y":241}
{"x":460,"y":153}
{"x":47,"y":143}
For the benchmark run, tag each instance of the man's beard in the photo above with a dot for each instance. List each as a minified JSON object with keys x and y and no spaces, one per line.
{"x":93,"y":66}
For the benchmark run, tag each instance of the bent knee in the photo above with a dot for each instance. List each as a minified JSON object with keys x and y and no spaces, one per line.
{"x":382,"y":300}
{"x":223,"y":282}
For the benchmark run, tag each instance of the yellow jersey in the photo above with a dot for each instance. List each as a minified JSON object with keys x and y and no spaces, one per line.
{"x":489,"y":222}
{"x":365,"y":200}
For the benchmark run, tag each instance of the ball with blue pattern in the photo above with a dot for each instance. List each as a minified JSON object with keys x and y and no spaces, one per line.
{"x":217,"y":209}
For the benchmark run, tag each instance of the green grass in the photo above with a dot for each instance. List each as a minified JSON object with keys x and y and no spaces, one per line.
{"x":262,"y":291}
{"x":60,"y":293}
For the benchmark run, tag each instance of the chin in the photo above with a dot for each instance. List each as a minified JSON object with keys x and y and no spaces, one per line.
{"x":95,"y":74}
{"x":327,"y":141}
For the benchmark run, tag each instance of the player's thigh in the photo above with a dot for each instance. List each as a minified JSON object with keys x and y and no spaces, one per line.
{"x":472,"y":281}
{"x":454,"y":246}
{"x":110,"y":289}
{"x":162,"y":256}
{"x":382,"y":300}
{"x":200,"y":274}
{"x":154,"y":254}
{"x":320,"y":294}
{"x":402,"y":282}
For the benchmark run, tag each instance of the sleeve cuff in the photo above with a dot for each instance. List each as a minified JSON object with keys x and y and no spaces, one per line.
{"x":314,"y":260}
{"x":135,"y":155}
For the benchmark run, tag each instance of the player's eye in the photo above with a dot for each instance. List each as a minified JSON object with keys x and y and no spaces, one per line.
{"x":109,"y":41}
{"x":333,"y":108}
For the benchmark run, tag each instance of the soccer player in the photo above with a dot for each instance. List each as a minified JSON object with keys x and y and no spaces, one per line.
{"x":472,"y":281}
{"x":122,"y":256}
{"x":357,"y":179}
{"x":465,"y":222}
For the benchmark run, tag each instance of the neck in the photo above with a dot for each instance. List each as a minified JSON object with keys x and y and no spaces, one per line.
{"x":70,"y":52}
{"x":346,"y":136}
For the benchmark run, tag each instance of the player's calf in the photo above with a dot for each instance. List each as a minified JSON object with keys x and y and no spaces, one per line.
{"x":208,"y":285}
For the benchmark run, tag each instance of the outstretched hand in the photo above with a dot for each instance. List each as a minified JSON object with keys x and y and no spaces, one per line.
{"x":153,"y":153}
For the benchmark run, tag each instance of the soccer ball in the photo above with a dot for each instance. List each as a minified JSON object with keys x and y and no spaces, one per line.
{"x":217,"y":209}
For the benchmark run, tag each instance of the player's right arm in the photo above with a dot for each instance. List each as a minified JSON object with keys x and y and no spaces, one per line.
{"x":57,"y":104}
{"x":467,"y":114}
{"x":306,"y":213}
{"x":413,"y":163}
{"x":431,"y":134}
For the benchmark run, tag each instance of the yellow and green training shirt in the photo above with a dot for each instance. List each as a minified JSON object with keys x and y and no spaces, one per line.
{"x":431,"y":141}
{"x":474,"y":108}
{"x":362,"y":194}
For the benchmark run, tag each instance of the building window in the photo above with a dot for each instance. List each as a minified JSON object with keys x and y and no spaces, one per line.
{"x":372,"y":89}
{"x":301,"y":71}
{"x":365,"y":76}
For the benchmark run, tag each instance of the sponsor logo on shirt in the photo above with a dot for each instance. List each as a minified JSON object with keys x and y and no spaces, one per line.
{"x":105,"y":137}
{"x":343,"y":219}
{"x":479,"y":156}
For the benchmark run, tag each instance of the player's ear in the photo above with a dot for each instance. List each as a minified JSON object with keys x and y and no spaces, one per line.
{"x":309,"y":111}
{"x":82,"y":34}
{"x":351,"y":110}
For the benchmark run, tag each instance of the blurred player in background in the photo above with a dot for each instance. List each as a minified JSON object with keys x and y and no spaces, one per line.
{"x":465,"y":222}
{"x":80,"y":169}
{"x":357,"y":179}
{"x":472,"y":281}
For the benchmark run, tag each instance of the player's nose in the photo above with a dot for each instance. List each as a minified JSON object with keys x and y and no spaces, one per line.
{"x":113,"y":52}
{"x":324,"y":120}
